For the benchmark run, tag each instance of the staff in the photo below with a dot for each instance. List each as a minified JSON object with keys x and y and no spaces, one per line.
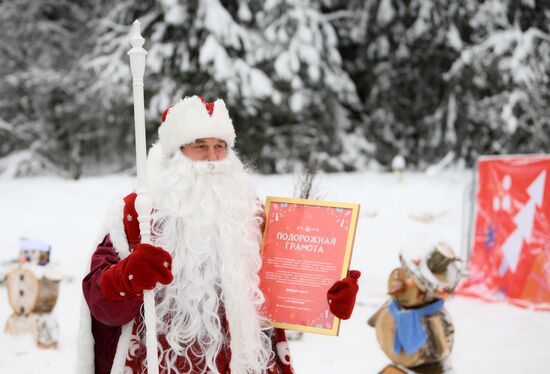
{"x":144,"y":202}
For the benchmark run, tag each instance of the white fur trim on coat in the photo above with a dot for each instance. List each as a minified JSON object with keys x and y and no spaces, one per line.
{"x":84,"y":342}
{"x":119,"y":362}
{"x":189,"y":120}
{"x":113,"y":225}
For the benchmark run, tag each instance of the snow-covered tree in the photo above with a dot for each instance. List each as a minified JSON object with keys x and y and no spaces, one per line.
{"x":275,"y":63}
{"x":499,"y":87}
{"x":195,"y":47}
{"x":308,"y":117}
{"x":47,"y":114}
{"x":310,"y":84}
{"x":442,"y":79}
{"x":38,"y":125}
{"x":396,"y":52}
{"x":208,"y":48}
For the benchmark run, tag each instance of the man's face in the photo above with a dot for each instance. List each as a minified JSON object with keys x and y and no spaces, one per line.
{"x":205,"y":149}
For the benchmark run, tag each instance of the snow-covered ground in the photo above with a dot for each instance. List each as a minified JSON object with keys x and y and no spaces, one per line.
{"x":490,"y":338}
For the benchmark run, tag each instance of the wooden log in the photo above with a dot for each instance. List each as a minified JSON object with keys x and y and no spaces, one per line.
{"x":385,"y":334}
{"x":29,"y":294}
{"x":374,"y":318}
{"x":433,"y":350}
{"x":440,"y":258}
{"x":37,"y":257}
{"x":20,"y":324}
{"x":439,"y":334}
{"x":392,"y":369}
{"x":435,"y":368}
{"x":46,"y":333}
{"x":403,"y":287}
{"x":43,"y":327}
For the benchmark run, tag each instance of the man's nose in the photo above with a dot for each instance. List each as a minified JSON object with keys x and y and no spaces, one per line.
{"x":211,"y":155}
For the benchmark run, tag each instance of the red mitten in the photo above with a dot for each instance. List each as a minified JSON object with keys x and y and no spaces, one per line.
{"x":141,"y":270}
{"x":341,"y":296}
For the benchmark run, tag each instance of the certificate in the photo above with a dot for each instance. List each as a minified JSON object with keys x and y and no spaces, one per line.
{"x":306,"y":247}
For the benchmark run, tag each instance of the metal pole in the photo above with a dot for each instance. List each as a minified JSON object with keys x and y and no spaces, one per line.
{"x":144,"y":202}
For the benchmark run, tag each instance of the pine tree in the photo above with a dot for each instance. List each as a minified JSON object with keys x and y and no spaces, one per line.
{"x":499,"y":87}
{"x":194,"y":48}
{"x":468,"y":76}
{"x":41,"y":127}
{"x":208,"y":48}
{"x":309,"y":116}
{"x":276,"y":65}
{"x":323,"y":85}
{"x":397,"y":52}
{"x":109,"y":91}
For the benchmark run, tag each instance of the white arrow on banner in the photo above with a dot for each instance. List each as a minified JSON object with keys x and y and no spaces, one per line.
{"x":524,"y":225}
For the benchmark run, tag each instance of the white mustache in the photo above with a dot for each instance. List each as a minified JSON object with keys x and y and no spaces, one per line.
{"x":212,"y":167}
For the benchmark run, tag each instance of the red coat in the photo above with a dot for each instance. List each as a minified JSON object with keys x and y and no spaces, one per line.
{"x":108,"y":316}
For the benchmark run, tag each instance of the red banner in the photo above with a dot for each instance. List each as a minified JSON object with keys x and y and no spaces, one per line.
{"x":510,"y":257}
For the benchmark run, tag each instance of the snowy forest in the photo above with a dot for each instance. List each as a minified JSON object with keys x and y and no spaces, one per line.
{"x":331,"y":84}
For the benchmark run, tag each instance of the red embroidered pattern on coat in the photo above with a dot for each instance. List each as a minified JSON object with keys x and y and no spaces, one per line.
{"x":137,"y":352}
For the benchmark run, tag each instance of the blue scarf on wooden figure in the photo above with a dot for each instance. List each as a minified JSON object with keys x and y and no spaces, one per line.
{"x":409,"y":333}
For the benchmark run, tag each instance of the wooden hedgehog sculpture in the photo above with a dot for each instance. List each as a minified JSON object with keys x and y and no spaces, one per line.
{"x":413,"y":328}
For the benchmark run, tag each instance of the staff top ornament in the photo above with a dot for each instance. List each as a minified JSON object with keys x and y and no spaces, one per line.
{"x":137,"y":53}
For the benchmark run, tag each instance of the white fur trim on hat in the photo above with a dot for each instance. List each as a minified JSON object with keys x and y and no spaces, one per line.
{"x":189,"y":120}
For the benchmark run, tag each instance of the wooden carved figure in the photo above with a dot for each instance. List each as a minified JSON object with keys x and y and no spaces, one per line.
{"x":413,"y":328}
{"x":32,"y":294}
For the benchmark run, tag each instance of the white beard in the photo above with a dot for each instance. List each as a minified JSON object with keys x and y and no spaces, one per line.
{"x":207,"y":218}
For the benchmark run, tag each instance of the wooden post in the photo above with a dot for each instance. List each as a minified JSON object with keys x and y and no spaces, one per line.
{"x":440,"y":258}
{"x":144,"y":202}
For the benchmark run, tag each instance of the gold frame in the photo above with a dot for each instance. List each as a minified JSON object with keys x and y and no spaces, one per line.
{"x":347,"y":254}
